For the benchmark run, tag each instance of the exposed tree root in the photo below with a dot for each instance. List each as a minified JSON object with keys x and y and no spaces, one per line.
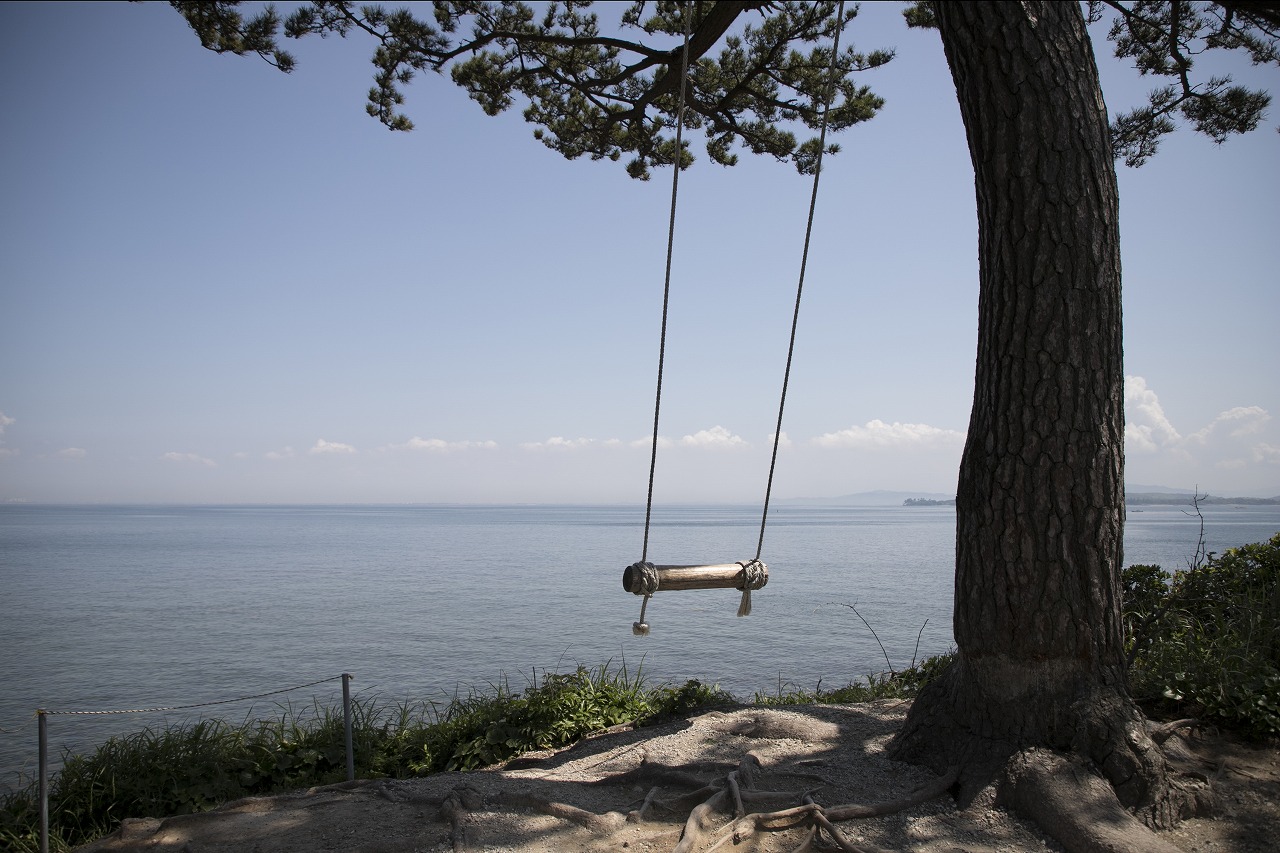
{"x":1075,"y":806}
{"x":737,"y":794}
{"x":1095,"y":774}
{"x":928,"y":792}
{"x":740,"y":789}
{"x":605,"y":824}
{"x":822,"y":819}
{"x":1162,"y":732}
{"x":454,"y":812}
{"x":726,"y":805}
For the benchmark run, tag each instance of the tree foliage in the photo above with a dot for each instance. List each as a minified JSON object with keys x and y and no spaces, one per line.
{"x":606,"y":93}
{"x":602,"y":95}
{"x":1164,"y":39}
{"x":590,"y":92}
{"x":222,"y":29}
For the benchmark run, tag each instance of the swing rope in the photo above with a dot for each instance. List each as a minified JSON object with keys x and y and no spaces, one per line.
{"x":641,"y":627}
{"x":753,"y":571}
{"x":804,"y":262}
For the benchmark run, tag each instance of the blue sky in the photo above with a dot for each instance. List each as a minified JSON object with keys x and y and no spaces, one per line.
{"x":219,"y":283}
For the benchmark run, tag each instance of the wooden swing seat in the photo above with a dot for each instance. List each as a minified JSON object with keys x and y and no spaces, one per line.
{"x":748,"y":574}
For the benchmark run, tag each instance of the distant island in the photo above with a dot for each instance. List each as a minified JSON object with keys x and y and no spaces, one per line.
{"x":1137,"y":495}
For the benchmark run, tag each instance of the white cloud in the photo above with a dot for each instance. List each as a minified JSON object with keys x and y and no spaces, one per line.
{"x":1267,"y":453}
{"x":557,"y":442}
{"x":784,"y":441}
{"x":1243,"y":420}
{"x":647,"y":442}
{"x":287,"y":453}
{"x":5,"y":421}
{"x":1146,"y":426}
{"x":322,"y":447}
{"x":1236,"y":440}
{"x":878,"y":434}
{"x":1148,"y":429}
{"x":717,"y":438}
{"x":190,"y":458}
{"x":72,"y":453}
{"x":437,"y":445}
{"x":1138,"y":438}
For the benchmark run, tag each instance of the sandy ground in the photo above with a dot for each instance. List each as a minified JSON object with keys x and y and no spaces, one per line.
{"x":836,"y":752}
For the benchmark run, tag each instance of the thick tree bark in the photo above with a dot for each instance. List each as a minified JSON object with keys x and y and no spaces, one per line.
{"x":1040,"y":499}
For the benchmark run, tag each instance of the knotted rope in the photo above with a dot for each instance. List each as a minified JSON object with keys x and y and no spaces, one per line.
{"x":648,"y":586}
{"x":754,"y":576}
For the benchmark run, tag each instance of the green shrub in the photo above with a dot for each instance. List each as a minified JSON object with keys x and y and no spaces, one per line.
{"x":1205,"y":641}
{"x":563,"y":708}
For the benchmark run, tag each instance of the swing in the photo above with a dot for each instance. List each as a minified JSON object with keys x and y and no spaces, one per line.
{"x":643,"y":577}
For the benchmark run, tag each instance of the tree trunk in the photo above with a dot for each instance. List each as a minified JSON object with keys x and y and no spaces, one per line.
{"x":1040,"y":499}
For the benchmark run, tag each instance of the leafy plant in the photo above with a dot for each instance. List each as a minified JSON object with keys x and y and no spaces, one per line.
{"x":1206,"y":640}
{"x":563,"y":708}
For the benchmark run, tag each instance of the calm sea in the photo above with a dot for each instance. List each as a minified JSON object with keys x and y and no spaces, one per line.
{"x":117,"y":607}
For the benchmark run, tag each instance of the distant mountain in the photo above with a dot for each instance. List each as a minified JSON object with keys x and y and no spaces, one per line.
{"x":1188,"y":499}
{"x":1134,"y":490}
{"x":1143,"y":489}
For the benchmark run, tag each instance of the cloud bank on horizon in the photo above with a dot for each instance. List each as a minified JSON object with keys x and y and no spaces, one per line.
{"x":1236,"y":453}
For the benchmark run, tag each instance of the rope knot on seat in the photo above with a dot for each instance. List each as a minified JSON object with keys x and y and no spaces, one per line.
{"x":754,"y":575}
{"x":643,"y":580}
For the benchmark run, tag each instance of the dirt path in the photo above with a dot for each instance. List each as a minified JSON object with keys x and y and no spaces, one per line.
{"x":580,"y":799}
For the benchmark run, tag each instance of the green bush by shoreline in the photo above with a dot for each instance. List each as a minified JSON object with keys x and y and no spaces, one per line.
{"x":1204,"y":642}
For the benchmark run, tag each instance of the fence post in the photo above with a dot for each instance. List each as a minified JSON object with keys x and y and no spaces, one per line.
{"x":44,"y":780}
{"x":346,"y":723}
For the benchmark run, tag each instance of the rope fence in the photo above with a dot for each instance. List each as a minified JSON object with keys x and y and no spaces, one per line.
{"x":198,"y":704}
{"x":42,"y":715}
